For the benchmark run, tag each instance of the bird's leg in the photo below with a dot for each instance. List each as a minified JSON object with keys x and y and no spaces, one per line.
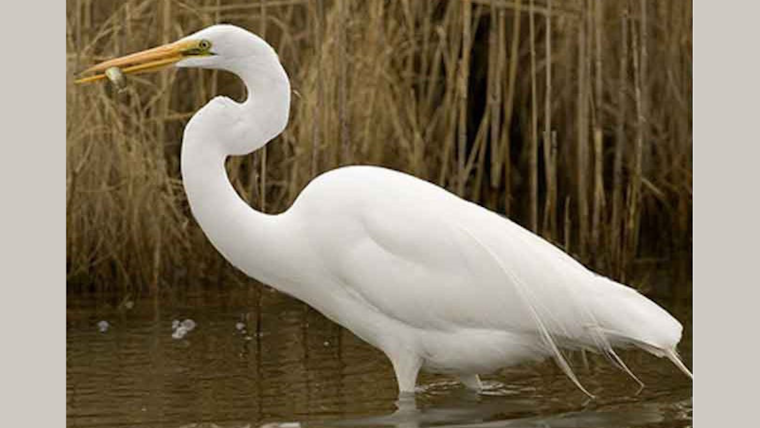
{"x":406,"y":366}
{"x":471,"y":381}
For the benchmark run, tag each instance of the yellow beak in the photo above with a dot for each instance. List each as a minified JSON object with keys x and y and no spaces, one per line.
{"x":145,"y":61}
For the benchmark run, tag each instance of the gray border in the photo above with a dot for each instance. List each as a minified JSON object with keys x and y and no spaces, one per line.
{"x":33,"y":220}
{"x":726,"y":213}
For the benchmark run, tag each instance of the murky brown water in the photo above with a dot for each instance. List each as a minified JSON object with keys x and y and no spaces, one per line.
{"x":288,"y":366}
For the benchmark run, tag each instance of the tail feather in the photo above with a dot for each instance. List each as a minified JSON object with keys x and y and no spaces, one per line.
{"x":580,"y":327}
{"x":621,"y":365}
{"x":545,"y":333}
{"x":604,"y":345}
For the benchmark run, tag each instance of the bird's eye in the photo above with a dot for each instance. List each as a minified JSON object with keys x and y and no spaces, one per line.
{"x":204,"y":44}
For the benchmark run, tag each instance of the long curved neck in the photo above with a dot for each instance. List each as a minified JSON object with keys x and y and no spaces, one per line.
{"x":252,"y":241}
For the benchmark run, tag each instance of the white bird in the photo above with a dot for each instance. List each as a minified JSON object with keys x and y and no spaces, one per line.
{"x":434,"y":281}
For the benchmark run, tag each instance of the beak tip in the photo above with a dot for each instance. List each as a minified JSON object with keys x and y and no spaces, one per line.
{"x":673,"y":356}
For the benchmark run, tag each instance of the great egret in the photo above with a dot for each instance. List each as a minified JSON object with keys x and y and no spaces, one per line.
{"x":434,"y":281}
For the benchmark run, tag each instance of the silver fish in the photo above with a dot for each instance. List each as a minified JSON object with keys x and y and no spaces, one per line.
{"x":117,"y":78}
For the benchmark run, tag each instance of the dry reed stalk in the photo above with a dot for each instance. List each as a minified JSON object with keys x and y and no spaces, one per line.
{"x":344,"y":156}
{"x":679,"y":84}
{"x":463,"y":78}
{"x":549,"y":224}
{"x":553,"y":185}
{"x":496,"y":57}
{"x":316,"y":134}
{"x":568,"y":225}
{"x":582,"y":138}
{"x":639,"y":79}
{"x":508,"y":110}
{"x":598,"y":195}
{"x":497,"y":96}
{"x":410,"y":85}
{"x":450,"y":53}
{"x":427,"y":34}
{"x":644,"y":81}
{"x":533,"y":150}
{"x":479,"y":149}
{"x":164,"y":111}
{"x":620,"y":138}
{"x":87,"y":21}
{"x":375,"y":42}
{"x":489,"y":121}
{"x":78,"y":30}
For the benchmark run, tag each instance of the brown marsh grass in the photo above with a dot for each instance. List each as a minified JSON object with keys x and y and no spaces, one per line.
{"x":571,"y":117}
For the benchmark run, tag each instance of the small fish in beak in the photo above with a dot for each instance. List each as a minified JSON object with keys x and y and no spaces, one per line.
{"x":117,"y":78}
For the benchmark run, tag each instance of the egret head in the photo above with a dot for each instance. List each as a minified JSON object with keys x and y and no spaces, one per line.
{"x":238,"y":128}
{"x":222,"y":46}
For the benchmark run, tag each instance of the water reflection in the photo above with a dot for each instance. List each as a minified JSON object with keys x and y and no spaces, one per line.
{"x":470,"y":412}
{"x":459,"y":408}
{"x":254,"y":359}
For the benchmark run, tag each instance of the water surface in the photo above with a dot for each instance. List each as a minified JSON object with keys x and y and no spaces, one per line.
{"x":259,"y":358}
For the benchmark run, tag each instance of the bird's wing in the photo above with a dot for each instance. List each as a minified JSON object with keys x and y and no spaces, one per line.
{"x":432,"y":260}
{"x":446,"y":263}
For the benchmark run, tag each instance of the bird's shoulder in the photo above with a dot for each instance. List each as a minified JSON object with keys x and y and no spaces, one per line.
{"x":382,"y":210}
{"x":373,"y":186}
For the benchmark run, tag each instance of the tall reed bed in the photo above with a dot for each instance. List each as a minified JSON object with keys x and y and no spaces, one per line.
{"x":571,"y":117}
